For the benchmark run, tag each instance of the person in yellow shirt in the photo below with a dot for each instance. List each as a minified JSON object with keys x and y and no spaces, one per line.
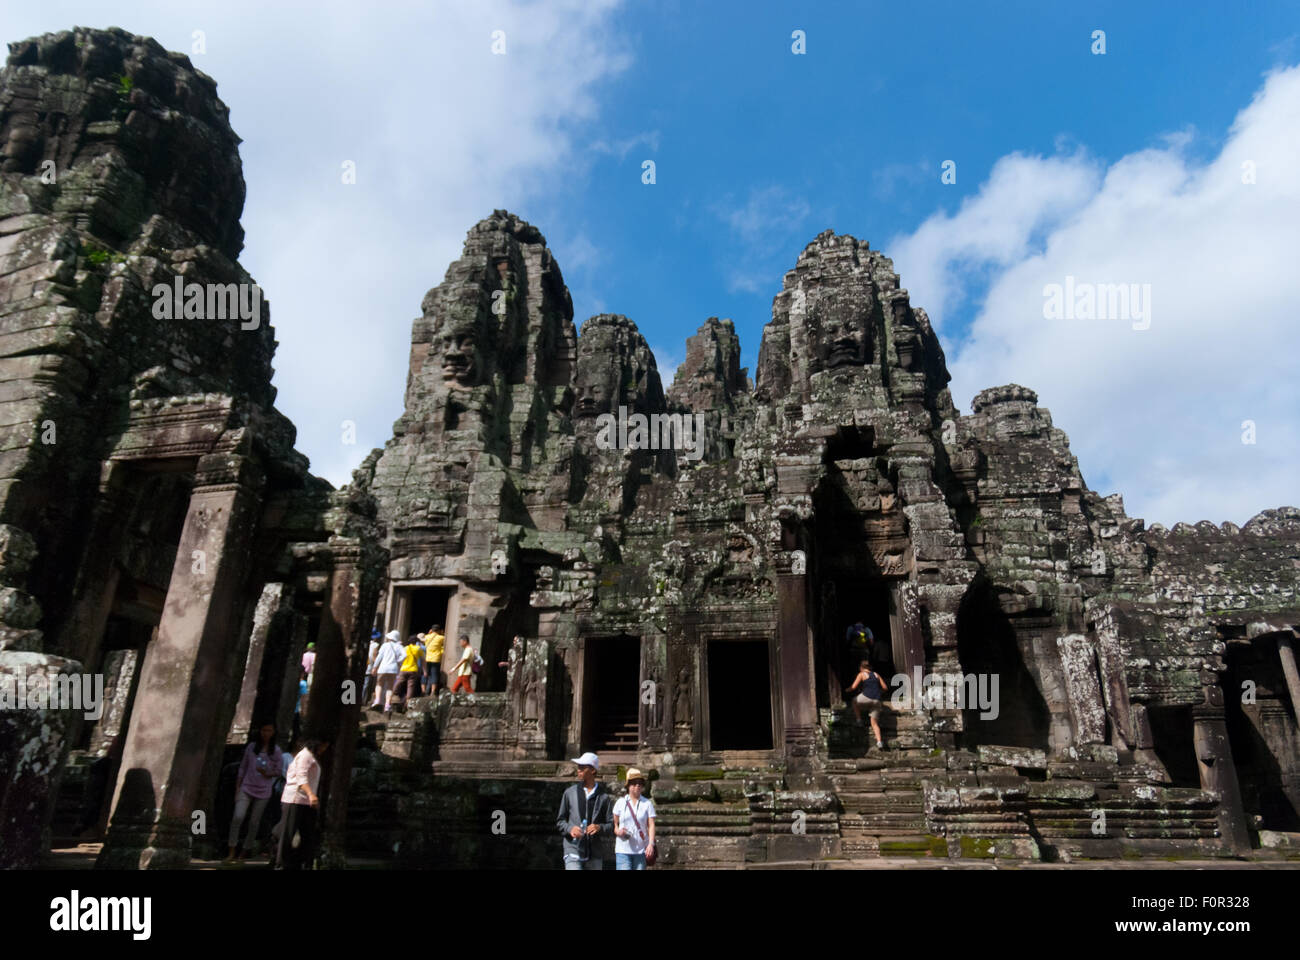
{"x":434,"y":643}
{"x":408,"y":676}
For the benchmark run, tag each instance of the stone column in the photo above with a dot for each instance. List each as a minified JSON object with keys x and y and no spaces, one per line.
{"x":184,"y":675}
{"x":299,"y":628}
{"x":908,"y":641}
{"x":798,"y":696}
{"x":1214,"y":761}
{"x":1078,"y":664}
{"x":335,"y":712}
{"x":653,"y":691}
{"x":1286,"y":652}
{"x":268,"y":606}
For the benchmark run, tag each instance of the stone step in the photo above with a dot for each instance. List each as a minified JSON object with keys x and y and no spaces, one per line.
{"x":871,"y":799}
{"x":901,"y":845}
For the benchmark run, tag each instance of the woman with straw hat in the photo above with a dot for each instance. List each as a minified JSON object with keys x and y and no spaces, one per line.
{"x":634,"y":826}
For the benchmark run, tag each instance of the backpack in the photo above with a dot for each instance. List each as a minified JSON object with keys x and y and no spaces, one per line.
{"x":476,"y":664}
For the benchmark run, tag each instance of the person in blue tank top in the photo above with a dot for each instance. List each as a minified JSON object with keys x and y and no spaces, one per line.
{"x":870,"y":688}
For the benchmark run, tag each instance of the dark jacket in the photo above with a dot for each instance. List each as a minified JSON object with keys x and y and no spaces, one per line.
{"x":572,"y":805}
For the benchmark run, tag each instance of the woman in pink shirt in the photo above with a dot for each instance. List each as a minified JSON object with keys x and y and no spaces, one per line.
{"x":301,"y":806}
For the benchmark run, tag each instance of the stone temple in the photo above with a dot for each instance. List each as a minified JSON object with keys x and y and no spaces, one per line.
{"x":1090,"y":687}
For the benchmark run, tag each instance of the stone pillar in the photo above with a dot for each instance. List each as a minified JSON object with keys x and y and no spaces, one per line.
{"x":184,"y":675}
{"x":335,"y":712}
{"x":533,"y":683}
{"x":908,"y":641}
{"x":120,"y":669}
{"x":268,"y":606}
{"x":1286,"y":652}
{"x":653,"y":692}
{"x":1078,"y":664}
{"x":1214,"y":761}
{"x":299,"y":629}
{"x":798,"y":696}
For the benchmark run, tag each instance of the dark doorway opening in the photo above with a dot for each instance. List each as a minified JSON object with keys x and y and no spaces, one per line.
{"x":868,"y":604}
{"x":611,"y":682}
{"x":428,"y":607}
{"x":986,"y":647}
{"x":1172,"y":731}
{"x":1261,"y":733}
{"x":518,"y":617}
{"x":740,"y":695}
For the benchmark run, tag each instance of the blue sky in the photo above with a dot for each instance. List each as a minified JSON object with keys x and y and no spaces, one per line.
{"x":1067,"y":162}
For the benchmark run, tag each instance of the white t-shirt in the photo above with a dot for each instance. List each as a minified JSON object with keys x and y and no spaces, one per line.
{"x":390,"y":657}
{"x":645,"y":811}
{"x":304,"y":769}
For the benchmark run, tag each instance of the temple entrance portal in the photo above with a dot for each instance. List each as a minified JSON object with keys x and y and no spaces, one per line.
{"x":740,"y":695}
{"x":1262,"y":733}
{"x":429,"y":607}
{"x":611,"y":679}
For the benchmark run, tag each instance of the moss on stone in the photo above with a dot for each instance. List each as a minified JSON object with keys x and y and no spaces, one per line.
{"x":912,"y":848}
{"x":978,"y":848}
{"x":698,"y":775}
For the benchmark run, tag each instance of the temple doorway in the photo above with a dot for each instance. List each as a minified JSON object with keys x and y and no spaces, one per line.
{"x":848,"y":598}
{"x":428,"y":607}
{"x":988,"y":646}
{"x":1172,"y":733}
{"x":611,"y":680}
{"x":1262,"y":733}
{"x":740,"y":695}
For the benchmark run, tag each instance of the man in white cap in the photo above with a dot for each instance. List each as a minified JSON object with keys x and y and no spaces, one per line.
{"x":387,"y":665}
{"x":586,"y":817}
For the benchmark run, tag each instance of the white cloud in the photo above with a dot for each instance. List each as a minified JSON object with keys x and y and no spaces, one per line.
{"x":442,"y":132}
{"x":763,"y":227}
{"x":1156,"y":413}
{"x":622,"y":147}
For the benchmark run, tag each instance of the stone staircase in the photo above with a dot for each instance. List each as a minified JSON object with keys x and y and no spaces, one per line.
{"x":618,"y":737}
{"x":882,"y":813}
{"x":904,"y":731}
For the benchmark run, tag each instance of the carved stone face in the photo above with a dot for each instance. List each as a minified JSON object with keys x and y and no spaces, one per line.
{"x":597,"y":389}
{"x":458,"y":348}
{"x":839,"y":329}
{"x":592,"y":394}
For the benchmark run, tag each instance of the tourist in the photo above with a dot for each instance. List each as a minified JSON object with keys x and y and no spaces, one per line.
{"x":861,"y":640}
{"x":464,"y":668}
{"x":309,"y":662}
{"x":301,"y":805}
{"x":870,"y":687}
{"x":585,"y":812}
{"x":634,"y":825}
{"x":297,"y":705}
{"x":434,"y":646}
{"x":408,"y":677}
{"x":263,"y":762}
{"x":375,"y":637}
{"x":388,"y":663}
